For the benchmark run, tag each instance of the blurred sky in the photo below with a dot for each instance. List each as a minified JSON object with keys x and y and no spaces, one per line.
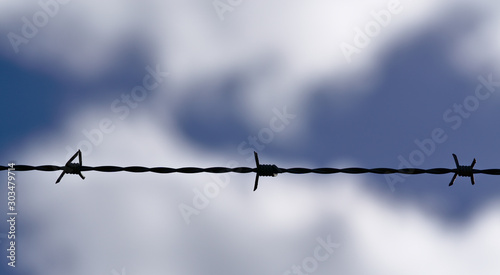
{"x":191,"y":83}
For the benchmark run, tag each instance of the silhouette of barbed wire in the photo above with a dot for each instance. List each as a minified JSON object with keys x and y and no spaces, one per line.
{"x":266,"y":170}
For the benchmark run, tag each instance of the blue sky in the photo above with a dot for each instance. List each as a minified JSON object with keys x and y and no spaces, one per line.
{"x":222,"y":77}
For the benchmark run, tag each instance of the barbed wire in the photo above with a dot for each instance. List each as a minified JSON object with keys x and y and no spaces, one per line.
{"x":265,"y":170}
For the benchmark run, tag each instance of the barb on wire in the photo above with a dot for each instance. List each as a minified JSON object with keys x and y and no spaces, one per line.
{"x":72,"y":168}
{"x":264,"y":170}
{"x":463,"y":171}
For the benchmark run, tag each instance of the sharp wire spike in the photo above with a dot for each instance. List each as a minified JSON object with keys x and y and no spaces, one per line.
{"x":72,"y":168}
{"x":265,"y":170}
{"x":257,"y":175}
{"x":463,"y":171}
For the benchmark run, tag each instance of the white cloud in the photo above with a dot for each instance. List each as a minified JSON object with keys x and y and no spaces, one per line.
{"x":111,"y":220}
{"x":299,"y":40}
{"x":132,"y":220}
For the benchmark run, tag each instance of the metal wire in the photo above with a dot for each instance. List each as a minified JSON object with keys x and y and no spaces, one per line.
{"x":260,"y":170}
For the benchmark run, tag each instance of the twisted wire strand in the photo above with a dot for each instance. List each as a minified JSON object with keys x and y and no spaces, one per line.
{"x":265,"y":170}
{"x":245,"y":170}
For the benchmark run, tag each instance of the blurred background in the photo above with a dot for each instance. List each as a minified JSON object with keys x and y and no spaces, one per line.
{"x":206,"y":83}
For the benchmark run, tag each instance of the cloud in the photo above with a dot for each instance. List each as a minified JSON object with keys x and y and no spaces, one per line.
{"x":131,"y":220}
{"x":114,"y":220}
{"x":295,"y":42}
